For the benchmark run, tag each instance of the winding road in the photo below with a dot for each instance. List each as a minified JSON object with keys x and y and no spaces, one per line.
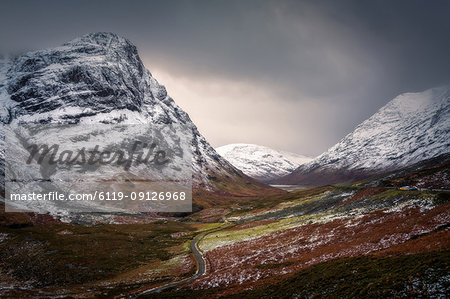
{"x":200,"y":260}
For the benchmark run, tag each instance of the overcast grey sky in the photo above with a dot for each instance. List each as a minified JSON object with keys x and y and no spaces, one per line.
{"x":292,"y":75}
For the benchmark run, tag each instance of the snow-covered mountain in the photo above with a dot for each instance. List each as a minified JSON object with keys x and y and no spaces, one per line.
{"x":261,"y":162}
{"x":100,"y":78}
{"x":410,"y":128}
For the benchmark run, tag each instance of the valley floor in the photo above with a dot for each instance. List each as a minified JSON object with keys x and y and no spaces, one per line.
{"x":384,"y":241}
{"x":369,"y":239}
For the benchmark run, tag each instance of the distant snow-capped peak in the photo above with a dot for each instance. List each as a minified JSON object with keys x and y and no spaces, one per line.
{"x":261,"y":162}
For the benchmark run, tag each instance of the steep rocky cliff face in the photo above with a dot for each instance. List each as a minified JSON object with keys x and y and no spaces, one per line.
{"x":99,"y":78}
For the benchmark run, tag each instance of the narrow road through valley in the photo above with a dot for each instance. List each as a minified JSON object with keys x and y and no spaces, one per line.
{"x":201,"y":266}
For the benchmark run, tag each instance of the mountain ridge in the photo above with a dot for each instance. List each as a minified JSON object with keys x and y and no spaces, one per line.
{"x":261,"y":162}
{"x":410,"y":128}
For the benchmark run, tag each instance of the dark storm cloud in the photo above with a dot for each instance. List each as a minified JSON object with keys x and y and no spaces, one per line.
{"x":346,"y":57}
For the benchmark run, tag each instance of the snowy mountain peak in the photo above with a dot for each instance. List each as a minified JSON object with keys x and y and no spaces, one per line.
{"x":261,"y":162}
{"x":100,"y":78}
{"x":410,"y":128}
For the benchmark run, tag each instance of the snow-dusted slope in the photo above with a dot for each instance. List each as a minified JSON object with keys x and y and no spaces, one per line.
{"x":261,"y":162}
{"x":410,"y":128}
{"x":100,"y":78}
